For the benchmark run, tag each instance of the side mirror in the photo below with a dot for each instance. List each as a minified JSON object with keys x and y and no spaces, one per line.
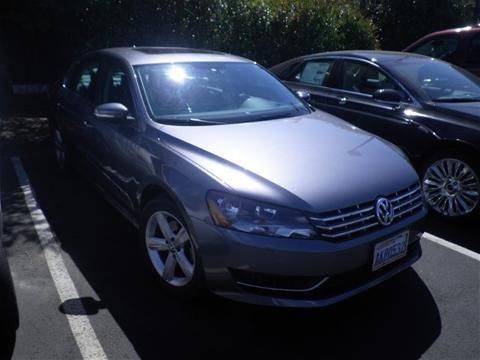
{"x":111,"y":111}
{"x":389,"y":95}
{"x":303,"y":94}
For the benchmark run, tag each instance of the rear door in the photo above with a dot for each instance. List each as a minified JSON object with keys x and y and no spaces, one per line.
{"x":75,"y":108}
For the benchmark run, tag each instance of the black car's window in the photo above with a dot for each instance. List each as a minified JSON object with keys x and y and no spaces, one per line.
{"x":116,"y":89}
{"x":473,"y":55}
{"x":437,"y":80}
{"x":440,"y":47}
{"x":71,"y":77}
{"x":363,"y":78}
{"x":215,"y":92}
{"x":284,"y":71}
{"x":314,"y":72}
{"x":85,"y":78}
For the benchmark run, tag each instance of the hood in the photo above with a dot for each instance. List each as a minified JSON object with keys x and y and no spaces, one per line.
{"x":466,"y":110}
{"x":319,"y":161}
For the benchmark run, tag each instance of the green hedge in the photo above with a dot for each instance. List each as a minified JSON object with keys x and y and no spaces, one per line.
{"x":40,"y":38}
{"x":400,"y":22}
{"x":266,"y":31}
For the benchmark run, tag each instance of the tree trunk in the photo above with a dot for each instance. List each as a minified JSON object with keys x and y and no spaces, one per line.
{"x":476,"y":15}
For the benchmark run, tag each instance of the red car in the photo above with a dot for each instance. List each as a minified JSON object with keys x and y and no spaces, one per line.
{"x":459,"y":46}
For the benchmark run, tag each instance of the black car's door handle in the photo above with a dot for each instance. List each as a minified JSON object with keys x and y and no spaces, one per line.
{"x":87,"y":124}
{"x":342,"y":100}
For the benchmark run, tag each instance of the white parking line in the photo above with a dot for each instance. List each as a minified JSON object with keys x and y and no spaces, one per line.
{"x":87,"y":341}
{"x":451,"y":246}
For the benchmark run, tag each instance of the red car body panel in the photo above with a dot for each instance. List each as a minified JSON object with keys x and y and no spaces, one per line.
{"x":467,"y":52}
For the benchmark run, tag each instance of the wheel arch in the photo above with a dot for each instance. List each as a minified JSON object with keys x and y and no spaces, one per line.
{"x":450,"y":145}
{"x":153,"y":190}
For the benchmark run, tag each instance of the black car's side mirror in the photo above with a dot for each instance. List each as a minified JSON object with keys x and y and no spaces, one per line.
{"x":390,"y":95}
{"x":303,"y":94}
{"x":111,"y":111}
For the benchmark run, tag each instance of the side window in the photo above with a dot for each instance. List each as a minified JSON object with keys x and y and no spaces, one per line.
{"x":116,"y":88}
{"x":85,"y":78}
{"x":314,"y":72}
{"x":440,"y":47}
{"x":473,"y":55}
{"x":70,"y":77}
{"x":285,"y":71}
{"x":363,"y":78}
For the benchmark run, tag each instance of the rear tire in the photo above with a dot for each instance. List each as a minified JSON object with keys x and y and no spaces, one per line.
{"x":451,"y":185}
{"x":169,"y":250}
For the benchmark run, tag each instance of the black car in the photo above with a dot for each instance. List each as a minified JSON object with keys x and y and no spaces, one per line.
{"x":427,"y":107}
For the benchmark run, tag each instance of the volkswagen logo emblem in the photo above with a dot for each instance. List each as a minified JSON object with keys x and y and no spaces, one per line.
{"x":384,"y":211}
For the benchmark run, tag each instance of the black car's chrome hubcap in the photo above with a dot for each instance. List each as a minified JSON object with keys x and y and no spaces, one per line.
{"x":451,"y":187}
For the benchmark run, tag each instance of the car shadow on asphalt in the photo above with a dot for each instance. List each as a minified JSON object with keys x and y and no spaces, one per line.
{"x":465,"y":234}
{"x":398,"y":319}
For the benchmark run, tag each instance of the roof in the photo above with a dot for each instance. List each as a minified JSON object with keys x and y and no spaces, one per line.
{"x":155,"y":55}
{"x":371,"y":55}
{"x":473,"y":28}
{"x":460,"y":30}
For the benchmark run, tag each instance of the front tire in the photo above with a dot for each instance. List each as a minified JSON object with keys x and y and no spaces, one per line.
{"x":168,"y":248}
{"x":451,"y":185}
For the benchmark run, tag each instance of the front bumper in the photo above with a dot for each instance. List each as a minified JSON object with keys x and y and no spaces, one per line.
{"x":292,"y":272}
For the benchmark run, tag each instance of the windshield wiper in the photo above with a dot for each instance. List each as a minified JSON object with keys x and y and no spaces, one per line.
{"x":454,"y":100}
{"x":279,"y":115}
{"x":202,"y":121}
{"x":194,"y":121}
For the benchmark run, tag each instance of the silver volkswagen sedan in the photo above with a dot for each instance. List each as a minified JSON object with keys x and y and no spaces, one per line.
{"x":235,"y":184}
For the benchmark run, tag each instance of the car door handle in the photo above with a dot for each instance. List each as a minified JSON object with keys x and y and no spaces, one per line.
{"x":342,"y":100}
{"x":87,"y":124}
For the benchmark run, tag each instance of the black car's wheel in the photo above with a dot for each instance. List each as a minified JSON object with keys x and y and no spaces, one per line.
{"x":62,"y":156}
{"x":169,"y":249}
{"x":61,"y":148}
{"x":8,"y":309}
{"x":451,"y":185}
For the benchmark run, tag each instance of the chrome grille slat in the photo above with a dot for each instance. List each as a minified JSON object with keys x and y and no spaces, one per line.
{"x":350,"y":232}
{"x":407,"y":211}
{"x":333,"y":227}
{"x":401,"y":197}
{"x":358,"y":220}
{"x":353,"y":213}
{"x":411,"y":201}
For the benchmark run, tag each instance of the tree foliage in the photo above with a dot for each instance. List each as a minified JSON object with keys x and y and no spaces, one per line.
{"x":400,"y":22}
{"x":41,"y":37}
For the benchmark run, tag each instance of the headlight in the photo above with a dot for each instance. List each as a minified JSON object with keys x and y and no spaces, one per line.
{"x":259,"y":218}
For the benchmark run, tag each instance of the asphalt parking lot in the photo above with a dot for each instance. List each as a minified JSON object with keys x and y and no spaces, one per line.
{"x":430,"y":311}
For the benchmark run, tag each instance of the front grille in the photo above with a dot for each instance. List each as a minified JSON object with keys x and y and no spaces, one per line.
{"x":347,"y":223}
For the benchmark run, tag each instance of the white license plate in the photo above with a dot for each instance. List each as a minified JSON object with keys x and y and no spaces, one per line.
{"x":390,"y":250}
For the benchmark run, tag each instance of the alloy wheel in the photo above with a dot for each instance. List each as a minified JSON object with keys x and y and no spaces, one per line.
{"x":170,"y":248}
{"x":451,"y":187}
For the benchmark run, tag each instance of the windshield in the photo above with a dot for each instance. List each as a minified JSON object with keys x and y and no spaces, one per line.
{"x":438,"y":81}
{"x":215,"y":93}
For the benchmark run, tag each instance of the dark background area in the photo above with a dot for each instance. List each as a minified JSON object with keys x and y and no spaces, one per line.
{"x":39,"y":38}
